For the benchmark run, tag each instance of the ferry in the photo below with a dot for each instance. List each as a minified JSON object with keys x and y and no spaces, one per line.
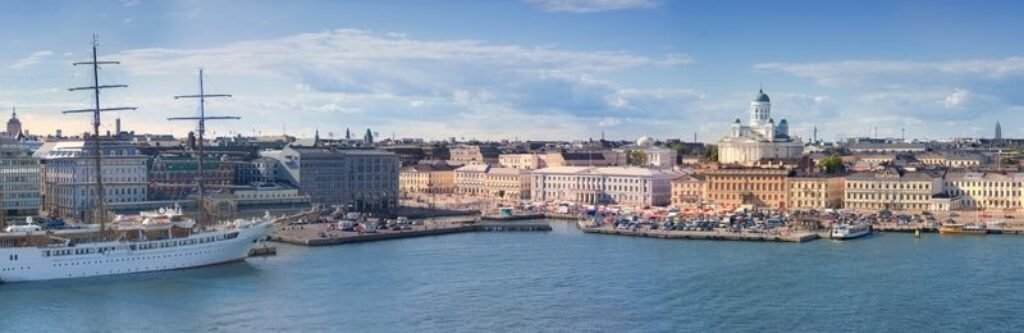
{"x":963,"y":229}
{"x":850,"y":231}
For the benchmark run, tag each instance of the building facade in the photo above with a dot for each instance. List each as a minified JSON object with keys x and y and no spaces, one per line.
{"x":735,"y":188}
{"x":427,"y":178}
{"x":891,"y":189}
{"x":631,"y":186}
{"x":485,"y":181}
{"x":815,"y":192}
{"x":522,"y":161}
{"x":362,"y":180}
{"x":19,"y":181}
{"x":68,"y":175}
{"x":175,"y":177}
{"x":688,"y":190}
{"x":760,"y":139}
{"x":474,"y":155}
{"x":985,"y":190}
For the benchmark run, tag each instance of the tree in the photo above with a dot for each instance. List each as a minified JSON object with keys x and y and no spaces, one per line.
{"x":636,"y":157}
{"x":368,"y":137}
{"x":681,"y":150}
{"x":711,"y":154}
{"x":832,"y":164}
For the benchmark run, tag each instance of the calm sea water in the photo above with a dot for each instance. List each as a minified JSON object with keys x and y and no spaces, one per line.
{"x":557,"y":281}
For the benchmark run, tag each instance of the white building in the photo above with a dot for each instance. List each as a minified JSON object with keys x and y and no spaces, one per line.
{"x":631,"y":186}
{"x":654,"y":156}
{"x":68,"y":175}
{"x":760,"y":139}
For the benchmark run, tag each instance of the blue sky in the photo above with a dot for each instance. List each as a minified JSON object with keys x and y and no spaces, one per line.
{"x":541,"y":69}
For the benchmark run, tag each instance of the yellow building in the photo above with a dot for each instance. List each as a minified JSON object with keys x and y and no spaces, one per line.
{"x":733,"y":188}
{"x":427,"y":178}
{"x":522,"y":161}
{"x":688,"y":190}
{"x":892,"y":189}
{"x":954,"y":161}
{"x":985,"y":190}
{"x":815,"y":192}
{"x":485,"y":181}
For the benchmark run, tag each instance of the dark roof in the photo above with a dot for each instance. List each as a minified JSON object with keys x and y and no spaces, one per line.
{"x":761,"y":96}
{"x":582,"y":156}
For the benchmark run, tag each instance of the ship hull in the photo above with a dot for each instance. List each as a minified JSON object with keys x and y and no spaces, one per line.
{"x":113,"y":258}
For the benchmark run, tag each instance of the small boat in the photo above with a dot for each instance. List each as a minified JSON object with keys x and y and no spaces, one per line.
{"x":917,"y":233}
{"x":850,"y":231}
{"x":963,"y":229}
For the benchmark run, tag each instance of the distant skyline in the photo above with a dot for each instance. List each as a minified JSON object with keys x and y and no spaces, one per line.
{"x":530,"y":69}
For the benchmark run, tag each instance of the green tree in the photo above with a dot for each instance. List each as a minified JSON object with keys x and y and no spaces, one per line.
{"x":832,"y":164}
{"x":711,"y":154}
{"x":636,"y":157}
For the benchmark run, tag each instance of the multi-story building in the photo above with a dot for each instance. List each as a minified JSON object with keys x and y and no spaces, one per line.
{"x":485,"y":181}
{"x":688,"y":190}
{"x":364,"y":180}
{"x":815,"y":192}
{"x":257,"y":170}
{"x":953,"y":161}
{"x":582,"y":159}
{"x":68,"y":175}
{"x":522,"y":161}
{"x":892,"y":189}
{"x":631,"y":186}
{"x":653,"y":156}
{"x":174,"y":177}
{"x":734,"y":188}
{"x":19,"y":181}
{"x":985,"y":190}
{"x":474,"y":155}
{"x":427,"y":178}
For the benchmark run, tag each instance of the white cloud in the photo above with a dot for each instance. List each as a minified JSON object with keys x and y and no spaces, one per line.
{"x":129,"y":3}
{"x":609,"y":122}
{"x":847,"y":72}
{"x":590,"y":6}
{"x":958,"y":98}
{"x":32,"y":59}
{"x":416,"y":87}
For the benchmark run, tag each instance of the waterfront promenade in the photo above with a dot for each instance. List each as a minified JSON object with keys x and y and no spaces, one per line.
{"x":323,"y":234}
{"x":785,"y":237}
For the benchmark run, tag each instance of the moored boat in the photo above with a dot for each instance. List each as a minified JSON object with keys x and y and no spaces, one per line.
{"x":963,"y":229}
{"x":850,"y":231}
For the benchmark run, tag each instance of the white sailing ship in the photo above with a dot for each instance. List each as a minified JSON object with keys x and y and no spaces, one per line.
{"x":152,"y":241}
{"x":33,"y":256}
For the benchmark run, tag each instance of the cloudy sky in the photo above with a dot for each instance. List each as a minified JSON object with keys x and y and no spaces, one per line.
{"x":540,"y":69}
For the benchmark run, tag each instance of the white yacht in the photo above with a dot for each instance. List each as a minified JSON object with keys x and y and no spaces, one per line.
{"x":32,"y":256}
{"x":850,"y":231}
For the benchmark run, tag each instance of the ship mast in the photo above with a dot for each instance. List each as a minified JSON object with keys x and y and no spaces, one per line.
{"x":100,"y":210}
{"x":202,"y":118}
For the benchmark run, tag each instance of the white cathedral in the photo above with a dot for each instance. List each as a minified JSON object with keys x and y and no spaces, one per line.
{"x":761,"y":139}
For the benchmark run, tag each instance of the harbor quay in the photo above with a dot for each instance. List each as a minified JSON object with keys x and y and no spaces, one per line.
{"x":321,"y":234}
{"x":784,"y":237}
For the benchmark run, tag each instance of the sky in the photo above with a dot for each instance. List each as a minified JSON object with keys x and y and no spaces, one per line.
{"x":523,"y":69}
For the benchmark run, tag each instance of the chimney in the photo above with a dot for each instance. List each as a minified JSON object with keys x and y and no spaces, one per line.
{"x":117,"y":126}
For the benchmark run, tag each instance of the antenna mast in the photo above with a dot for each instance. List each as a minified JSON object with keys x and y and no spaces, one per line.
{"x":101,"y":203}
{"x":202,"y":118}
